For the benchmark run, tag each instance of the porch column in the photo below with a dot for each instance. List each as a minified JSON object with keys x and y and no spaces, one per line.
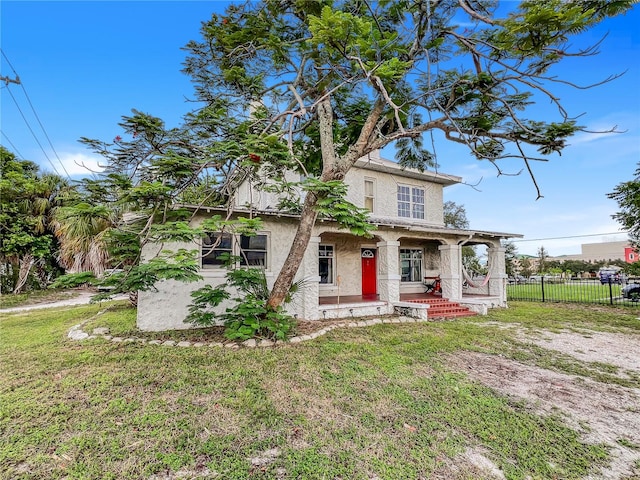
{"x":388,"y":271}
{"x":451,"y":271}
{"x":310,"y":292}
{"x":498,"y":275}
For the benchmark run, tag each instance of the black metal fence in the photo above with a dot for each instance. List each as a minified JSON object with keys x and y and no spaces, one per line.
{"x":551,"y":289}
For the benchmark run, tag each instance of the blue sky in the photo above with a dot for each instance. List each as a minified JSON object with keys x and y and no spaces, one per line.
{"x":86,"y":64}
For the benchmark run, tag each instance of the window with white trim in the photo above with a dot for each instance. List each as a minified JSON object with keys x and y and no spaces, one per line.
{"x":410,"y":202}
{"x":369,"y":194}
{"x":217,"y":248}
{"x":325,"y":264}
{"x":253,"y":251}
{"x":410,"y":265}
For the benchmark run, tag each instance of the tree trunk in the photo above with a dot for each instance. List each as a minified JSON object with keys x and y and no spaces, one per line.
{"x":133,"y":298}
{"x":296,"y":252}
{"x":333,"y":168}
{"x":26,"y":263}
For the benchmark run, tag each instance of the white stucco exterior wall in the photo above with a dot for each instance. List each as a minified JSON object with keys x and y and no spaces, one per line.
{"x":386,"y":194}
{"x":166,"y":308}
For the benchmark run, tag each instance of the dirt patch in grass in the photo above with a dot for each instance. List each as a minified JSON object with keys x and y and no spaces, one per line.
{"x":620,"y":350}
{"x":601,"y":412}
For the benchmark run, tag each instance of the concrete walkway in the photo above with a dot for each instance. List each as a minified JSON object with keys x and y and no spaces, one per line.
{"x":83,"y":298}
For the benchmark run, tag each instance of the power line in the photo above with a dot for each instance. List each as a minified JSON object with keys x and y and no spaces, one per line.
{"x":37,"y":118}
{"x":33,"y":134}
{"x":570,"y":236}
{"x":15,"y":149}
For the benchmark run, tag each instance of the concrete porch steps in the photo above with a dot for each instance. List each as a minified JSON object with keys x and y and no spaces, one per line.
{"x":443,"y":308}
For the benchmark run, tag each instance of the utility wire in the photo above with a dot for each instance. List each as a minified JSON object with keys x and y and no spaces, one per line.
{"x":37,"y":118}
{"x":33,"y":133}
{"x":15,"y":149}
{"x":571,"y":236}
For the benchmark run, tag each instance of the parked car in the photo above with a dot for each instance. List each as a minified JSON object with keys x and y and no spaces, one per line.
{"x":516,"y":280}
{"x":547,"y":278}
{"x":631,"y":291}
{"x":610,"y":276}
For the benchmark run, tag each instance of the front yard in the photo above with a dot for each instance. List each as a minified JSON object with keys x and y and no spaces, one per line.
{"x":485,"y":397}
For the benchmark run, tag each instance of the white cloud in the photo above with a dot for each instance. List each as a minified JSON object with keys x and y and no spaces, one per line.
{"x":80,"y":164}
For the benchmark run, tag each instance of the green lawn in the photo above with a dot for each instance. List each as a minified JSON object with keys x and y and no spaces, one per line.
{"x":376,"y":402}
{"x":587,"y":292}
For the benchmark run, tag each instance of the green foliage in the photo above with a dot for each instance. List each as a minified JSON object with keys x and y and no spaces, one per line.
{"x":27,"y":201}
{"x":182,"y":265}
{"x":510,"y":256}
{"x":249,"y":316}
{"x":627,"y":195}
{"x":332,"y":204}
{"x":455,"y":215}
{"x":74,"y":280}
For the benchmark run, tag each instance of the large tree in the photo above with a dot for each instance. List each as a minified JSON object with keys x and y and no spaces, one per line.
{"x":316,"y":85}
{"x":627,"y":194}
{"x":27,"y":199}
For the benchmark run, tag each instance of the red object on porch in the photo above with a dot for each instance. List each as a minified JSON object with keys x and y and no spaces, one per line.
{"x":369,"y":278}
{"x":432,"y":284}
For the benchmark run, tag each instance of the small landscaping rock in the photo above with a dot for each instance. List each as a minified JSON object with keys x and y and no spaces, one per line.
{"x":76,"y":334}
{"x":198,"y":344}
{"x":184,"y":343}
{"x":100,"y":331}
{"x":266,"y":343}
{"x":155,"y":342}
{"x":117,"y":339}
{"x":250,"y":343}
{"x":168,"y":343}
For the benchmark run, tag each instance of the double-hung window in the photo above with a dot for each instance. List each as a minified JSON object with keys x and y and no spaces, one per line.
{"x":219,"y":248}
{"x":325,"y":264}
{"x":410,"y":265}
{"x":410,"y":202}
{"x":369,"y":194}
{"x":216,"y":249}
{"x":253,"y":250}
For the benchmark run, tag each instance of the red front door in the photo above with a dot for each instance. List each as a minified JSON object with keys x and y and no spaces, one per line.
{"x":369,"y":279}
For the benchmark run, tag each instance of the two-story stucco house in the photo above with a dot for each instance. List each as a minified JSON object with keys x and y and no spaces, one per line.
{"x":346,"y":275}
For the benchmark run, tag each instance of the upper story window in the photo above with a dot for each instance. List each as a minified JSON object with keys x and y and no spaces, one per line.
{"x":217,"y":248}
{"x":369,"y":194}
{"x":325,"y":264}
{"x":410,"y":202}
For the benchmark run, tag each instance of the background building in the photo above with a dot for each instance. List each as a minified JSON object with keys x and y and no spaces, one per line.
{"x":604,"y":251}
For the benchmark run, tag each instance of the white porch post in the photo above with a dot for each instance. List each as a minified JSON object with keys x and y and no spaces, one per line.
{"x":388,"y":271}
{"x":498,"y":275}
{"x":311,"y":290}
{"x":451,"y":271}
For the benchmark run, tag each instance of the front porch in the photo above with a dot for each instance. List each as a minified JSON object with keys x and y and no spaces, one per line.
{"x":380,"y":277}
{"x":438,"y":307}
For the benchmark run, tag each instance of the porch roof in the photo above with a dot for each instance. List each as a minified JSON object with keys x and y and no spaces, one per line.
{"x":387,"y":222}
{"x":414,"y":226}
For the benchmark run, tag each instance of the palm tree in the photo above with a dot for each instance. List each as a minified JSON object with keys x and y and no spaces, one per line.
{"x":81,"y":230}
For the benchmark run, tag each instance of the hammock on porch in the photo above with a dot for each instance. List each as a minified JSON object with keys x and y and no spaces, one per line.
{"x":467,"y":278}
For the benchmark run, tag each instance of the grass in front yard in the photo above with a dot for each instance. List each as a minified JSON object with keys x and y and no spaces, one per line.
{"x":357,"y":403}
